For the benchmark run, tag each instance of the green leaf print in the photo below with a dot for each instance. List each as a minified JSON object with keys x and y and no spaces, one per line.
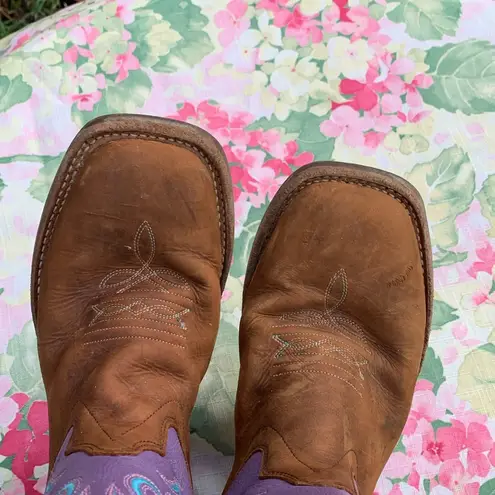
{"x":243,"y":243}
{"x":13,"y":91}
{"x":130,"y":94}
{"x":127,"y":96}
{"x":488,"y":488}
{"x":486,"y":197}
{"x":305,"y":129}
{"x":191,"y":44}
{"x":464,"y":77}
{"x":213,"y":414}
{"x":428,"y":19}
{"x":432,"y":369}
{"x":476,"y":379}
{"x":442,"y":314}
{"x":447,"y":186}
{"x":2,"y":186}
{"x":40,"y":186}
{"x":24,"y":369}
{"x":445,"y":258}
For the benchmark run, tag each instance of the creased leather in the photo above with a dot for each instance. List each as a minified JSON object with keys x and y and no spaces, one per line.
{"x":331,"y":339}
{"x":129,"y":295}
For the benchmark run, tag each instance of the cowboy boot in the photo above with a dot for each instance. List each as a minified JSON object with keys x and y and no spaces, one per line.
{"x":336,"y":315}
{"x":130,"y":261}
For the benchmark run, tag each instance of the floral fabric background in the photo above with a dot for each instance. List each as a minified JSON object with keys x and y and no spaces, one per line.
{"x":406,"y":86}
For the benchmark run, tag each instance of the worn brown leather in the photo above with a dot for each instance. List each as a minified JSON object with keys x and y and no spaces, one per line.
{"x":132,"y":252}
{"x":335,"y":322}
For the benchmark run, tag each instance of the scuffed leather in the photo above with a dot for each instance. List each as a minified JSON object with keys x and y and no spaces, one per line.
{"x":129,"y":296}
{"x":332,"y":336}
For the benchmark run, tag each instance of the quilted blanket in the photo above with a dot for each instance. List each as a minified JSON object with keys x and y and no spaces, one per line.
{"x":402,"y":85}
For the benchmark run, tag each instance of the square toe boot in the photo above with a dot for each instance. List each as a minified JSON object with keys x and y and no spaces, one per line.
{"x":336,"y":316}
{"x":131,"y":258}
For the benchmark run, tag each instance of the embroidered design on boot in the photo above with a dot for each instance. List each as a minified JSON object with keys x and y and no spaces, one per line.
{"x":323,"y":352}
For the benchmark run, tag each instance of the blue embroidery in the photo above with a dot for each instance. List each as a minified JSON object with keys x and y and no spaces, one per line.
{"x":135,"y":484}
{"x":139,"y":485}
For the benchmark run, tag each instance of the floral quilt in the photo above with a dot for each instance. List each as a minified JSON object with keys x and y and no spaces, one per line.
{"x":406,"y":86}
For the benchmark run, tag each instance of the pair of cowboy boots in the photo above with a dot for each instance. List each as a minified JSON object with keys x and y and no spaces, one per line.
{"x":131,"y":258}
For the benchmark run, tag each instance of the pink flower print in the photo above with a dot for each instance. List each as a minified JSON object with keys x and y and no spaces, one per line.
{"x":344,"y":9}
{"x":484,"y":294}
{"x":71,"y":55}
{"x":365,"y":95}
{"x":270,"y":141}
{"x":476,"y":131}
{"x":421,"y":449}
{"x":80,"y":37}
{"x":424,"y":406}
{"x":453,"y":476}
{"x":360,"y":24}
{"x":475,"y":438}
{"x":8,"y":406}
{"x":391,"y":103}
{"x":271,"y":5}
{"x":246,"y":160}
{"x":305,"y":29}
{"x":86,"y":101}
{"x":384,"y":122}
{"x":413,"y":96}
{"x":491,"y":455}
{"x":206,"y":115}
{"x":331,"y":18}
{"x":19,"y":41}
{"x":124,"y":11}
{"x":289,"y":158}
{"x":234,"y":129}
{"x":266,"y":184}
{"x":28,"y":446}
{"x":413,"y":116}
{"x":69,"y":22}
{"x":84,"y":35}
{"x":460,"y":332}
{"x":232,"y":21}
{"x":291,"y":148}
{"x":372,"y":139}
{"x":242,"y":181}
{"x":124,"y":62}
{"x":346,"y":122}
{"x":486,"y":256}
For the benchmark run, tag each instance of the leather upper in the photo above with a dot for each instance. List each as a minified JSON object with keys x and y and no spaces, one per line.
{"x":332,"y":337}
{"x":129,"y":295}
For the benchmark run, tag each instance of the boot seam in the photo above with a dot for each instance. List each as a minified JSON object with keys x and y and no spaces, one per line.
{"x":77,"y":163}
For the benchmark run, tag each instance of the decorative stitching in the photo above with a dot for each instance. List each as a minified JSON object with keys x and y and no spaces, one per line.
{"x":138,"y":308}
{"x":134,"y":327}
{"x":135,"y":276}
{"x":96,"y":421}
{"x":129,"y":337}
{"x":76,"y":164}
{"x":295,"y":345}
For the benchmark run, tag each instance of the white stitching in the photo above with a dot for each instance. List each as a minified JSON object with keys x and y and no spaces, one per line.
{"x":76,"y":164}
{"x":145,"y":273}
{"x":129,"y":337}
{"x":98,"y":330}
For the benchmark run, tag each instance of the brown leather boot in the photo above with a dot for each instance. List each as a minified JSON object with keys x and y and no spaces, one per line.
{"x":131,"y":257}
{"x":337,"y":309}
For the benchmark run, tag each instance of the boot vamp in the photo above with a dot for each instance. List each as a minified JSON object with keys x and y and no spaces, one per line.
{"x":332,"y":337}
{"x":129,"y":293}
